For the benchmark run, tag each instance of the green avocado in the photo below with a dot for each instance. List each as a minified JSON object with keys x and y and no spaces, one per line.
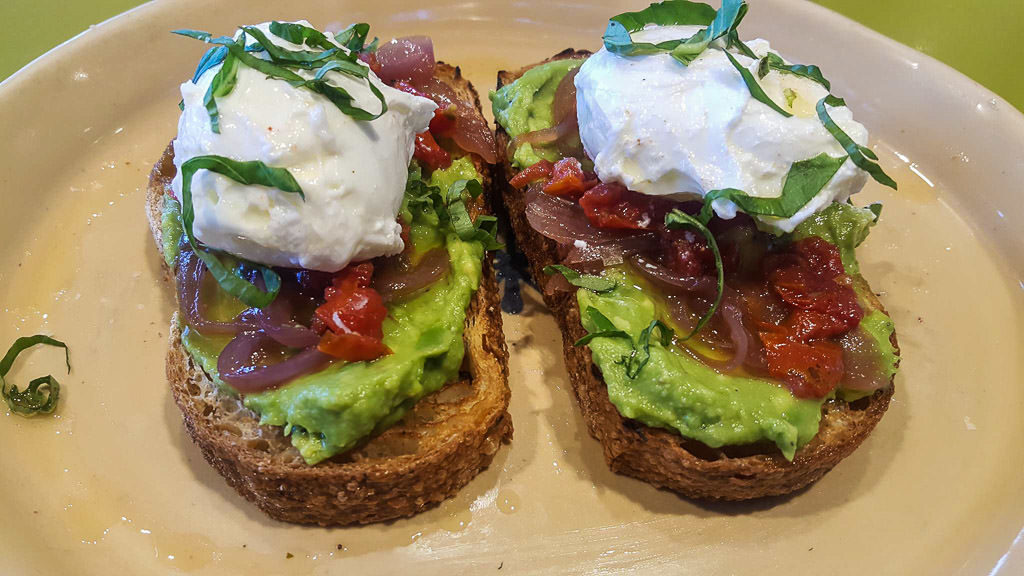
{"x":525,"y":106}
{"x":674,"y":390}
{"x":329,"y":412}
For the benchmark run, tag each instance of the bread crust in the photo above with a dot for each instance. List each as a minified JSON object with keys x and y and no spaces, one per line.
{"x":436,"y":449}
{"x":660,"y":456}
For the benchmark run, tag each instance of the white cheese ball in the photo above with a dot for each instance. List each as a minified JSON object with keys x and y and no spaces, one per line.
{"x":666,"y":129}
{"x":352,"y":172}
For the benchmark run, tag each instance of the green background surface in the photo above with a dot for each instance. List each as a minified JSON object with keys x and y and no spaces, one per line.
{"x":981,"y":38}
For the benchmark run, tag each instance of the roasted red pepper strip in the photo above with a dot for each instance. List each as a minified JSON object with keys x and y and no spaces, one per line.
{"x":539,"y":171}
{"x":567,"y":179}
{"x":430,"y":154}
{"x":811,"y":370}
{"x":352,"y":316}
{"x":809,"y":278}
{"x":613,"y":206}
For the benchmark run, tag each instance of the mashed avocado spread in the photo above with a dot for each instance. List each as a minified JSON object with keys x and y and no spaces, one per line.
{"x":525,"y":106}
{"x":328,"y":412}
{"x":675,"y":390}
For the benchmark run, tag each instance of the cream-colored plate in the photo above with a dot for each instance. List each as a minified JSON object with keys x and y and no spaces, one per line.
{"x":112,"y":485}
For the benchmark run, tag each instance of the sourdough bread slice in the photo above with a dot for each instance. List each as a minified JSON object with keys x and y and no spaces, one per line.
{"x":436,"y":449}
{"x":663,"y":457}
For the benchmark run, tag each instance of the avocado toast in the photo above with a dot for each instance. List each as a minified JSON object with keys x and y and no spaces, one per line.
{"x":422,"y":407}
{"x":665,"y":385}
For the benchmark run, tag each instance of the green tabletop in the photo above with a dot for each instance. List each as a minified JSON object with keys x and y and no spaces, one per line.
{"x":979,"y":37}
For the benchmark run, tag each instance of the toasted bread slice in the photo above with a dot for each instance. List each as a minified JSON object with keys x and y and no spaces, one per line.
{"x":436,"y":449}
{"x":663,"y":457}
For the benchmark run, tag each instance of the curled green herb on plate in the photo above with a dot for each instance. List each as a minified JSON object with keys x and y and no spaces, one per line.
{"x":41,"y":394}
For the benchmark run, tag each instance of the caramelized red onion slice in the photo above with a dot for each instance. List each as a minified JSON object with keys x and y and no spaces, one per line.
{"x":565,"y":125}
{"x":733,"y":316}
{"x":408,"y":58}
{"x":730,"y":309}
{"x":471,"y":131}
{"x":563,"y":220}
{"x":275,"y":320}
{"x":611,"y":252}
{"x":237,"y":364}
{"x":190,"y":277}
{"x":394,"y":278}
{"x":861,"y":362}
{"x":665,"y":277}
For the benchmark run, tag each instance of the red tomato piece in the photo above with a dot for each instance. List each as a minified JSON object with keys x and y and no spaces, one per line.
{"x":567,"y":178}
{"x":430,"y":153}
{"x":539,"y":171}
{"x":352,"y":316}
{"x":352,"y":347}
{"x":688,"y":252}
{"x":821,"y":256}
{"x":613,"y":206}
{"x":371,"y":60}
{"x":443,"y":122}
{"x":810,"y":370}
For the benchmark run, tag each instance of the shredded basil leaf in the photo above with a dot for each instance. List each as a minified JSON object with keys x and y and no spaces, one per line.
{"x":354,"y":37}
{"x":283,"y":55}
{"x":211,"y":58}
{"x":775,"y":62}
{"x":790,"y":96}
{"x":300,"y":34}
{"x":248,"y":173}
{"x":450,"y":208}
{"x":330,"y":58}
{"x":617,"y":37}
{"x":726,"y":20}
{"x":222,"y":85}
{"x":31,"y":400}
{"x":803,"y":182}
{"x":864,"y":161}
{"x":590,"y":282}
{"x":876,"y":209}
{"x":604,"y":328}
{"x":756,"y":92}
{"x":677,"y":219}
{"x":204,"y":36}
{"x":641,"y":353}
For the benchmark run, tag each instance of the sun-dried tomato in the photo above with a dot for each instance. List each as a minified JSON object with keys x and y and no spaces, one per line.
{"x":352,"y":316}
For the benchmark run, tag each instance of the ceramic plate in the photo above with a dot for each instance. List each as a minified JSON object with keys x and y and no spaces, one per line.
{"x":111,"y":484}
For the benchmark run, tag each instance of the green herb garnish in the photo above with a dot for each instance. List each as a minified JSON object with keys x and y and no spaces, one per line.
{"x":674,"y":12}
{"x":641,"y":354}
{"x":720,"y":24}
{"x":326,"y":57}
{"x":677,"y":219}
{"x":790,"y":95}
{"x":604,"y":328}
{"x":803,"y":182}
{"x":775,"y":62}
{"x":727,"y":19}
{"x":590,"y":282}
{"x":862,"y":156}
{"x":41,"y":394}
{"x":449,"y":207}
{"x":247,"y":173}
{"x":756,"y":92}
